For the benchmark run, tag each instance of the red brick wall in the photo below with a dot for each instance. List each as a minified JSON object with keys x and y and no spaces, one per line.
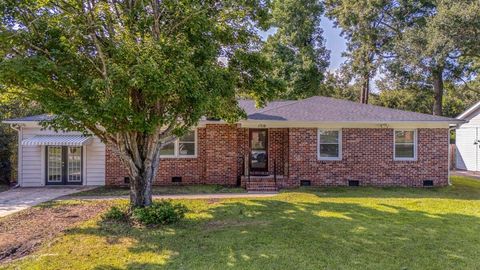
{"x":215,"y":163}
{"x":114,"y":169}
{"x":221,"y":154}
{"x":277,"y":146}
{"x":367,"y":155}
{"x":192,"y":170}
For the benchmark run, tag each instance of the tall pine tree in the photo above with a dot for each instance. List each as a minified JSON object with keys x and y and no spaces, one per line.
{"x":297,"y":48}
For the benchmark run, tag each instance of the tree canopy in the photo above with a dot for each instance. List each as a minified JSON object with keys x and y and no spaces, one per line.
{"x":363,"y":25}
{"x":11,"y":106}
{"x":297,"y":49}
{"x":135,"y":73}
{"x":419,"y":43}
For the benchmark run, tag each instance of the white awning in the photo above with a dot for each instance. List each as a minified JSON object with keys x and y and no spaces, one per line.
{"x":60,"y":140}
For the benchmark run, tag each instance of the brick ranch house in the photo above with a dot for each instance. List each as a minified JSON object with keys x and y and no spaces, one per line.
{"x":317,"y":141}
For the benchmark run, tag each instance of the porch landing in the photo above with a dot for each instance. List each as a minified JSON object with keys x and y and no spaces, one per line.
{"x":262,"y":183}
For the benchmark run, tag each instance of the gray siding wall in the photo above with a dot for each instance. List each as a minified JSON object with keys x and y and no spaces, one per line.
{"x":468,"y":154}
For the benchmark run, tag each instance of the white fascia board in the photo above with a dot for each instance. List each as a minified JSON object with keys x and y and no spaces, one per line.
{"x":19,"y":122}
{"x":468,"y":111}
{"x":309,"y":124}
{"x":292,"y":124}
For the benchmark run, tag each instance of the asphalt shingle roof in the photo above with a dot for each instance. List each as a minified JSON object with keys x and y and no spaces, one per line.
{"x":314,"y":109}
{"x":325,"y":109}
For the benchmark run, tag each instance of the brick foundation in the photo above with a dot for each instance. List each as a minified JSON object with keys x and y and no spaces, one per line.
{"x":367,"y":156}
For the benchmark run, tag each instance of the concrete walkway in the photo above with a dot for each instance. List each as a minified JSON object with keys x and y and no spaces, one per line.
{"x":18,"y":199}
{"x":180,"y":196}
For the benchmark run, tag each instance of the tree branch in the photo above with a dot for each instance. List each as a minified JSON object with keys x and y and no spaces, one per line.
{"x":93,"y":35}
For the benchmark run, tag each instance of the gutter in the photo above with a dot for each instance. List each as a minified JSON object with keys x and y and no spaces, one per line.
{"x":451,"y":121}
{"x":12,"y":122}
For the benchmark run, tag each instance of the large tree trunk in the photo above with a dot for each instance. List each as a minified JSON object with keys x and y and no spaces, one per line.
{"x":437,"y":80}
{"x":365,"y":91}
{"x":141,"y":188}
{"x":141,"y":156}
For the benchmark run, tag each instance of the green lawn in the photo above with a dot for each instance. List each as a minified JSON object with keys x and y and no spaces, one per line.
{"x":163,"y":190}
{"x":336,"y":228}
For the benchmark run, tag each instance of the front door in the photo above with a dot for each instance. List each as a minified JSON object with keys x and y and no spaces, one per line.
{"x":64,"y":165}
{"x":259,"y":153}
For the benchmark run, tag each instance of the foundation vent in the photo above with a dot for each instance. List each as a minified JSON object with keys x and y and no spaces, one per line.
{"x":305,"y":183}
{"x":428,"y":183}
{"x":176,"y":179}
{"x":353,"y":183}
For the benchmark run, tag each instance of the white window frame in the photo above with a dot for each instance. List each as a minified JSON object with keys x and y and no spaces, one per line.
{"x":339,"y":144}
{"x":415,"y":145}
{"x":176,"y":148}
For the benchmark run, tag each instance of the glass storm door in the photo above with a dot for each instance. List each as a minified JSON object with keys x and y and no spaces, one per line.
{"x":258,"y":148}
{"x":54,"y":165}
{"x":64,"y":165}
{"x":74,"y":165}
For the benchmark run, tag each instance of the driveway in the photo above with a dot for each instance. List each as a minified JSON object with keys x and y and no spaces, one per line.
{"x":472,"y":174}
{"x":18,"y":199}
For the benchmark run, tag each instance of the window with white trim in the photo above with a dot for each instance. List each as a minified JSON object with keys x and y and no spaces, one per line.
{"x":185,"y":146}
{"x":329,"y":144}
{"x":405,"y":144}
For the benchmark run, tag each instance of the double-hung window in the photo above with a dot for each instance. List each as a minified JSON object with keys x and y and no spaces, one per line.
{"x":185,"y":146}
{"x":329,"y":144}
{"x":405,"y":145}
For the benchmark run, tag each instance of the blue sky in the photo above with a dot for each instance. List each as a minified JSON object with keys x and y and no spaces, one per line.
{"x":334,"y":42}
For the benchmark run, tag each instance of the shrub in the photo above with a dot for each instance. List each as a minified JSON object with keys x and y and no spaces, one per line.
{"x":116,"y":213}
{"x":163,"y":212}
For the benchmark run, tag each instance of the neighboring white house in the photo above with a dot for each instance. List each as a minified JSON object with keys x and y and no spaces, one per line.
{"x":468,"y":140}
{"x":73,"y":159}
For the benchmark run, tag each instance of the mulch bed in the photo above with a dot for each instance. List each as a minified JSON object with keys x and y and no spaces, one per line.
{"x":24,"y":232}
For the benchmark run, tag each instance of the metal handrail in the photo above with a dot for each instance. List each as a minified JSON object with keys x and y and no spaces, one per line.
{"x":248,"y":168}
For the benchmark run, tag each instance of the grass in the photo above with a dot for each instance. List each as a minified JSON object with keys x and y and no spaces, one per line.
{"x":463,"y":187}
{"x":335,"y":228}
{"x":162,"y":190}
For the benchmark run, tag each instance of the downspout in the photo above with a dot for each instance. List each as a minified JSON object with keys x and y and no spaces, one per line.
{"x":449,"y":154}
{"x":19,"y":129}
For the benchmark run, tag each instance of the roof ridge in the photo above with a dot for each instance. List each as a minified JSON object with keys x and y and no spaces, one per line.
{"x":285,"y":105}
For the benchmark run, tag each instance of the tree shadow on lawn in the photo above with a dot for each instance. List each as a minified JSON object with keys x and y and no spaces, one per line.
{"x":274,"y":234}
